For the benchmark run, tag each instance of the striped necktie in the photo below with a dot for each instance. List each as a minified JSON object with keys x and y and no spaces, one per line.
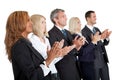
{"x":94,"y":30}
{"x":64,"y":32}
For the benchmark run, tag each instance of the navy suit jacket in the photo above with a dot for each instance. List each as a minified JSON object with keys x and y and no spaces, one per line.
{"x":88,"y":49}
{"x":85,"y":53}
{"x":26,"y":61}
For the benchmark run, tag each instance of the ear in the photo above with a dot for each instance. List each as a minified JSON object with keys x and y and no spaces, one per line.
{"x":87,"y":19}
{"x":55,"y":19}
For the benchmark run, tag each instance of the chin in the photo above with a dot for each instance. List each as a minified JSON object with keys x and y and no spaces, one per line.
{"x":94,"y":23}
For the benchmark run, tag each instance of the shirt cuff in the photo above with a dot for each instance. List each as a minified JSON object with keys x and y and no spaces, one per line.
{"x":107,"y":39}
{"x":57,"y":59}
{"x":45,"y":69}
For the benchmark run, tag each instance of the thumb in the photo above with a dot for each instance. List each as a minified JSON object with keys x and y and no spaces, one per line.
{"x":97,"y":33}
{"x":76,"y":38}
{"x":47,"y":49}
{"x":91,"y":36}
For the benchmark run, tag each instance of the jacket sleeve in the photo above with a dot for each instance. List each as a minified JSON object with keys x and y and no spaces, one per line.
{"x":87,"y":49}
{"x":106,"y":42}
{"x":23,"y":59}
{"x":51,"y":38}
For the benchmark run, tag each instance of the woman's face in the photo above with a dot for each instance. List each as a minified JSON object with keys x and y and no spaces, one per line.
{"x":29,"y":26}
{"x":78,"y":28}
{"x":43,"y":24}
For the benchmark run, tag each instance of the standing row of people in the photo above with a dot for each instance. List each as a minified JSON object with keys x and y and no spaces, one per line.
{"x":63,"y":54}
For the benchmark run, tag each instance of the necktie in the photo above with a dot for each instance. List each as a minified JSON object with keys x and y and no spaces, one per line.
{"x":64,"y":33}
{"x":94,"y":30}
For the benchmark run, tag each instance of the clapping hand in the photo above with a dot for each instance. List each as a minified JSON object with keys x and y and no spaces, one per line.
{"x":105,"y":34}
{"x":78,"y":42}
{"x":95,"y":38}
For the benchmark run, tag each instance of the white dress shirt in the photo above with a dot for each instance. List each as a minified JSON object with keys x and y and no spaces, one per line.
{"x":42,"y":49}
{"x":90,"y":27}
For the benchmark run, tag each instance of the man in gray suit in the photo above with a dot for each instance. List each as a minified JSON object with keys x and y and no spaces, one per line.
{"x":100,"y":56}
{"x":66,"y":67}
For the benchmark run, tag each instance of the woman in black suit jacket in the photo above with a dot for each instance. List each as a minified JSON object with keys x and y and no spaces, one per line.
{"x":84,"y":54}
{"x":26,"y":61}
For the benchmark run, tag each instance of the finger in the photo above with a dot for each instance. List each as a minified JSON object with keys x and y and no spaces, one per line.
{"x":47,"y":49}
{"x":80,"y":39}
{"x":54,"y":46}
{"x":97,"y":33}
{"x":109,"y":33}
{"x":76,"y":38}
{"x":91,"y":36}
{"x":106,"y":30}
{"x":61,"y":43}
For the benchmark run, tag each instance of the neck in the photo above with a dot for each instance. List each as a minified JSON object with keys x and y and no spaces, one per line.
{"x":90,"y":24}
{"x":60,"y":26}
{"x":42,"y":39}
{"x":24,"y":35}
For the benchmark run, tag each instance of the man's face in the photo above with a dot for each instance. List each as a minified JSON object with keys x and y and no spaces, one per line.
{"x":92,"y":18}
{"x":61,"y":19}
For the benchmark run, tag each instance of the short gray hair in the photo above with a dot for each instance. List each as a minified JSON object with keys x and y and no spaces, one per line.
{"x":54,"y":14}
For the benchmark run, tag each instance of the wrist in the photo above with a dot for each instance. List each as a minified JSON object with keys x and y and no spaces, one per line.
{"x":94,"y":42}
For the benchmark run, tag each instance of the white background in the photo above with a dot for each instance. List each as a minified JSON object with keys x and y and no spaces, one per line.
{"x":108,"y":16}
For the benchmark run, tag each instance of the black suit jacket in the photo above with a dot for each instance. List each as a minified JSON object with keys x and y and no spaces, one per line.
{"x":26,"y":61}
{"x":100,"y":47}
{"x":67,"y":66}
{"x":85,"y":53}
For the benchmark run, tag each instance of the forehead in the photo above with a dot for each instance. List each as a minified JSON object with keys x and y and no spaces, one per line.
{"x":42,"y":18}
{"x":61,"y":13}
{"x":93,"y":14}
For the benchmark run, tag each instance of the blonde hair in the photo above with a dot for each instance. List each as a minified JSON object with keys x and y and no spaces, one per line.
{"x":16,"y":24}
{"x":73,"y":24}
{"x":36,"y":18}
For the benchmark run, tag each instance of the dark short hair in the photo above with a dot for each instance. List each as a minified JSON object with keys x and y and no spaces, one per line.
{"x":54,"y":14}
{"x":88,"y":14}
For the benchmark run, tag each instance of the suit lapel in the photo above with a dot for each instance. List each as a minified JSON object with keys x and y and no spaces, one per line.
{"x":36,"y":53}
{"x":59,"y":33}
{"x":88,"y":30}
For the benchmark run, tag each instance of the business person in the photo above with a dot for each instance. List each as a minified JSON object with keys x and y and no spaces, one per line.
{"x":67,"y":66}
{"x":83,"y":55}
{"x":99,"y":58}
{"x":27,"y":63}
{"x":41,"y":43}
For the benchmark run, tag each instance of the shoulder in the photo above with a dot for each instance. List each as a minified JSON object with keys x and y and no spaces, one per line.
{"x":84,"y":28}
{"x":20,"y":46}
{"x":52,"y":29}
{"x":97,"y":28}
{"x":33,"y":38}
{"x":22,"y":42}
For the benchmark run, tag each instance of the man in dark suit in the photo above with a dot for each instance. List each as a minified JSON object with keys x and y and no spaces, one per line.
{"x":66,"y":67}
{"x":99,"y":59}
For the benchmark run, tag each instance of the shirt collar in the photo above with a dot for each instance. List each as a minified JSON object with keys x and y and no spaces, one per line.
{"x":90,"y":27}
{"x":59,"y":28}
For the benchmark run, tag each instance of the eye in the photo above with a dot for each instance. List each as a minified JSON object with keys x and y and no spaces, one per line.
{"x":42,"y":22}
{"x":28,"y":19}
